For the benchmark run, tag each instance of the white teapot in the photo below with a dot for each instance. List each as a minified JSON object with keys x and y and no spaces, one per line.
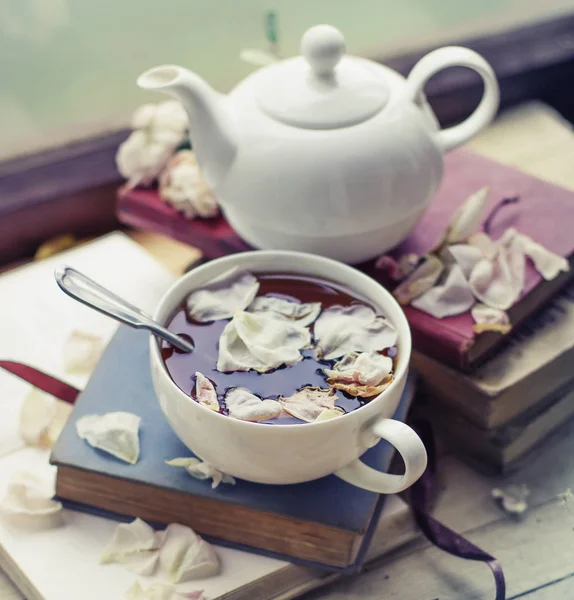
{"x":325,"y":153}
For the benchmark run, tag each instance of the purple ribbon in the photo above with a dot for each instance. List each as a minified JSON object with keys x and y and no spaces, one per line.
{"x":438,"y":534}
{"x":420,"y":493}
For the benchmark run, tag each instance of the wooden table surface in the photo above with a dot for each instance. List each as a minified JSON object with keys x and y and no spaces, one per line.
{"x":536,"y":550}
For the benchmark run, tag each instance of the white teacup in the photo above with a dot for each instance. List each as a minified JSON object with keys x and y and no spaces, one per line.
{"x":284,"y":454}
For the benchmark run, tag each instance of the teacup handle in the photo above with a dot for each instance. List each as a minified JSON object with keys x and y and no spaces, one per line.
{"x":409,"y":446}
{"x":455,"y":56}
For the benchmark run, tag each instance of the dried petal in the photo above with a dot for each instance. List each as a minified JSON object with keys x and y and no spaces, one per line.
{"x":260,"y":342}
{"x":161,"y":591}
{"x":467,"y":218}
{"x":367,"y":368}
{"x":28,"y":500}
{"x":465,"y":256}
{"x":547,"y":263}
{"x":222,"y":297}
{"x":201,"y":470}
{"x":116,"y":433}
{"x":279,"y":308}
{"x":489,"y":319}
{"x":420,"y":280}
{"x":453,"y":297}
{"x":309,"y":402}
{"x":482,"y":241}
{"x":398,"y":269}
{"x":133,"y":545}
{"x":205,"y":392}
{"x":364,"y":391}
{"x":82,"y":351}
{"x":356,"y":328}
{"x":512,"y":499}
{"x":185,"y":556}
{"x":244,"y":405}
{"x":330,"y":413}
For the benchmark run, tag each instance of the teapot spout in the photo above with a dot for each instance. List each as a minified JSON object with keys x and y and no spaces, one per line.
{"x":212,"y":132}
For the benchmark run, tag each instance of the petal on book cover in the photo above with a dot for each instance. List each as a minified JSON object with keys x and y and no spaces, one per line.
{"x":487,"y":318}
{"x":205,"y":392}
{"x":547,"y":263}
{"x":367,"y":368}
{"x":82,"y":351}
{"x":481,"y":240}
{"x":301,"y":313}
{"x":260,"y":342}
{"x":467,"y":218}
{"x":356,"y":328}
{"x":116,"y":433}
{"x":309,"y":402}
{"x":420,"y":280}
{"x":185,"y":556}
{"x":465,"y":256}
{"x":453,"y":297}
{"x":244,"y":405}
{"x":400,"y":268}
{"x":201,"y":470}
{"x":222,"y":297}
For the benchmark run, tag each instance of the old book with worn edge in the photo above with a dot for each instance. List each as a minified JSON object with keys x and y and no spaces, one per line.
{"x":545,"y":212}
{"x":343,"y":514}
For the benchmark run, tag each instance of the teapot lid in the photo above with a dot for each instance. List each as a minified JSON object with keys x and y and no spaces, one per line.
{"x":324,"y":88}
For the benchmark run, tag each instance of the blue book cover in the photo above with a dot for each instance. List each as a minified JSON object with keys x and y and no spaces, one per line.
{"x":122,"y":382}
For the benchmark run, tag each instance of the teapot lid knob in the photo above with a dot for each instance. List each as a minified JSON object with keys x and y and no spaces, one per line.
{"x":323,"y":47}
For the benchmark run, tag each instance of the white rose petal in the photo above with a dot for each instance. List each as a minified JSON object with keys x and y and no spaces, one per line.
{"x":356,"y":328}
{"x":279,"y":308}
{"x":116,"y":433}
{"x":547,"y":263}
{"x":82,"y":351}
{"x":466,"y":257}
{"x":489,"y":319}
{"x":420,"y":280}
{"x":222,"y":297}
{"x":244,"y":405}
{"x":202,"y":470}
{"x":366,"y":368}
{"x":205,"y":392}
{"x":453,"y":297}
{"x":467,"y":218}
{"x":309,"y":403}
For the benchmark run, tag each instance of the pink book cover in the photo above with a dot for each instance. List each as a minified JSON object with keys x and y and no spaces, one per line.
{"x":545,"y":212}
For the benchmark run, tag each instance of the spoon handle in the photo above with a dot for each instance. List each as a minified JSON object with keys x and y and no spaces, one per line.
{"x":92,"y":294}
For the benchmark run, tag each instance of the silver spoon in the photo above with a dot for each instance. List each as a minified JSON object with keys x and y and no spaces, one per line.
{"x":90,"y":293}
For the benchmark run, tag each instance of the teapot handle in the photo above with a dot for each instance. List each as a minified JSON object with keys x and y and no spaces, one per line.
{"x":455,"y":56}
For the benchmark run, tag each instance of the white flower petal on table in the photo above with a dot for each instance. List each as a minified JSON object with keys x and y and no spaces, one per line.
{"x":244,"y":405}
{"x":453,"y":297}
{"x":201,"y":470}
{"x":185,"y":556}
{"x":355,"y":328}
{"x":309,"y":403}
{"x":116,"y":433}
{"x":222,"y":297}
{"x":547,"y":263}
{"x":28,"y":501}
{"x":205,"y":392}
{"x":482,"y":241}
{"x":260,"y":342}
{"x":465,"y":256}
{"x":366,"y":368}
{"x":133,"y":545}
{"x":487,"y":318}
{"x":161,"y":591}
{"x":467,"y":218}
{"x":38,"y":411}
{"x":420,"y":280}
{"x":82,"y":352}
{"x":279,"y":308}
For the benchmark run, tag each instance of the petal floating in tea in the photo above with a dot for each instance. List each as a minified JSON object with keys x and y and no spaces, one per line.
{"x":201,"y":470}
{"x":161,"y":591}
{"x":490,"y":319}
{"x":309,"y":402}
{"x":260,"y":342}
{"x":185,"y":556}
{"x":329,"y":413}
{"x":453,"y":297}
{"x":28,"y":501}
{"x":116,"y":433}
{"x":244,"y":405}
{"x":135,"y":546}
{"x":355,"y":328}
{"x":361,"y":390}
{"x":366,"y":368}
{"x":279,"y":308}
{"x":222,"y":297}
{"x":465,"y":256}
{"x":82,"y":351}
{"x":420,"y":280}
{"x":205,"y":392}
